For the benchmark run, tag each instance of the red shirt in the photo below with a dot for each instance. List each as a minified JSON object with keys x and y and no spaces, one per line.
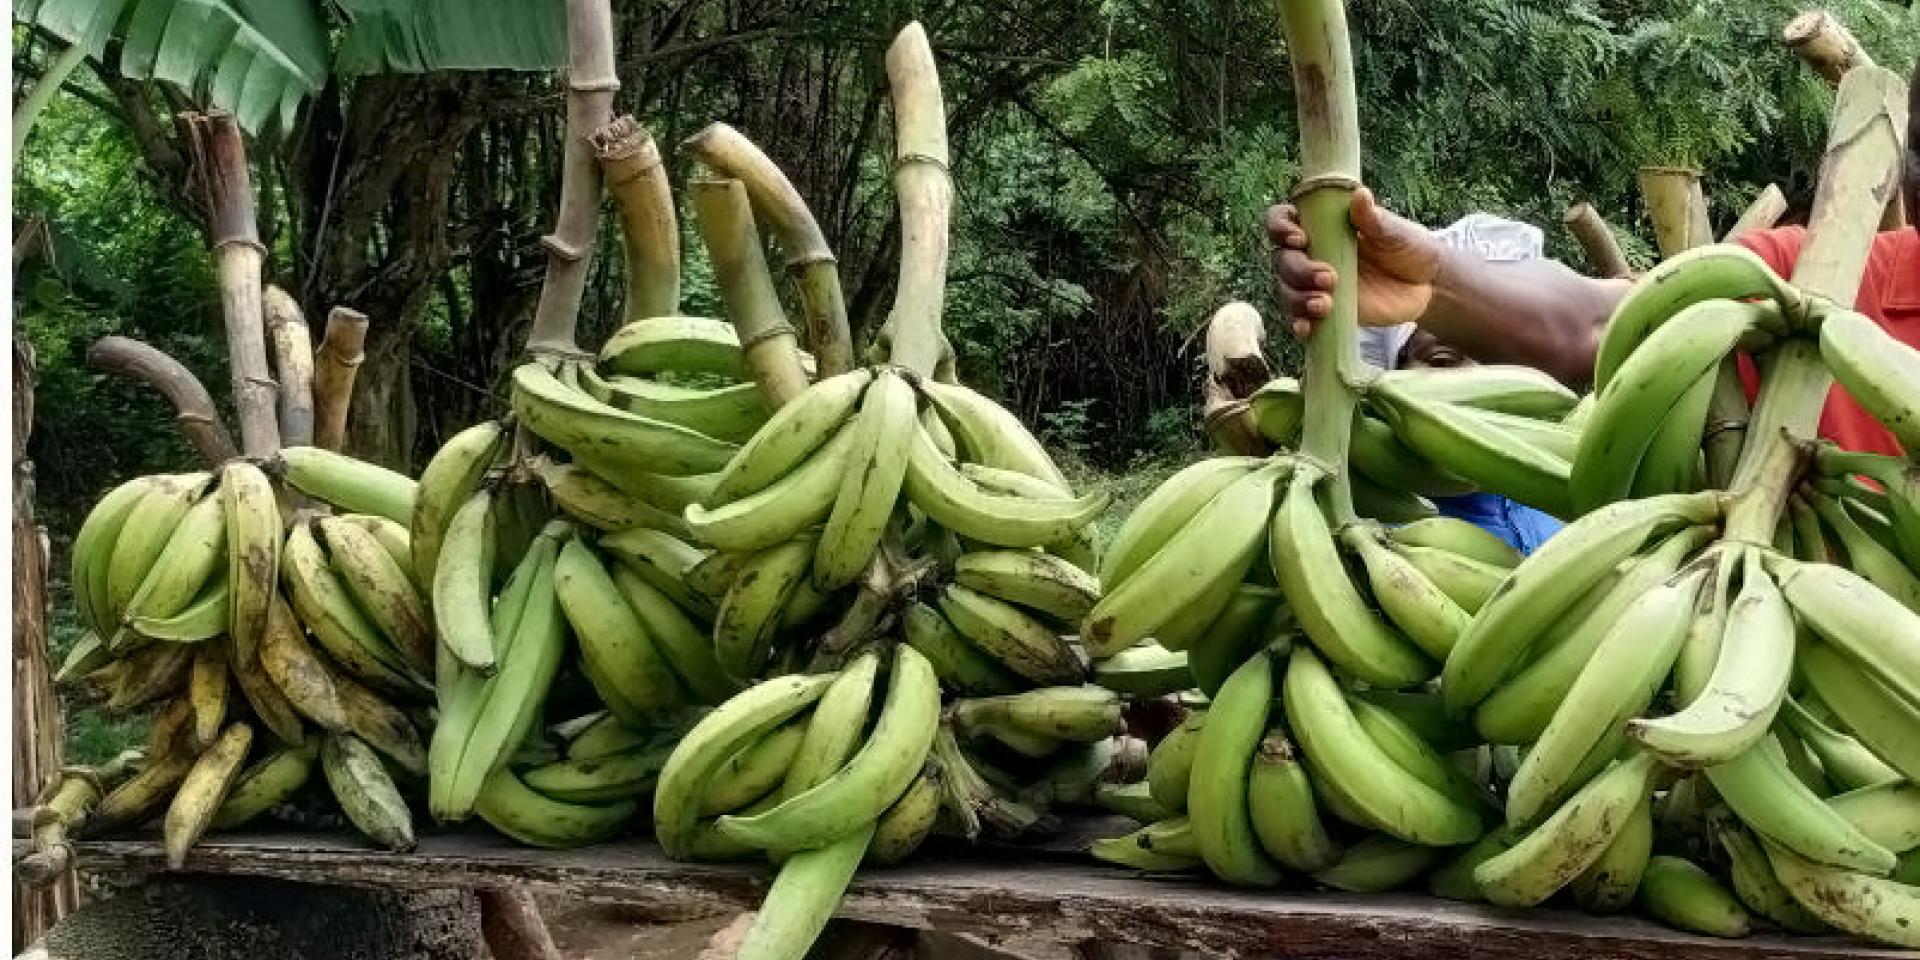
{"x":1889,"y":294}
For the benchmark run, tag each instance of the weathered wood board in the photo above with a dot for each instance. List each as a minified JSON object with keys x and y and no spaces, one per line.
{"x":993,"y":894}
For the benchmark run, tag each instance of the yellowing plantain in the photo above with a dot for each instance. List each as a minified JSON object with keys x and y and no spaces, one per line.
{"x":1034,"y":580}
{"x":202,"y":791}
{"x":253,"y":553}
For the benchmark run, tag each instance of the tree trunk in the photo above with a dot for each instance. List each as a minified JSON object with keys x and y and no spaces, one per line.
{"x":381,"y":420}
{"x":372,"y":184}
{"x":39,"y":737}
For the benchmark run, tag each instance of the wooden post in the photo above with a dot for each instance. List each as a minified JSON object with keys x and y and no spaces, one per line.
{"x":342,"y":347}
{"x":192,"y":405}
{"x":220,"y":176}
{"x":293,"y":362}
{"x":39,"y":739}
{"x":1596,"y":239}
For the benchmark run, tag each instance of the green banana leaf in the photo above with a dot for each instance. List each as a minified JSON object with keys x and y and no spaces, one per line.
{"x":259,"y":59}
{"x":413,"y":36}
{"x":256,"y":58}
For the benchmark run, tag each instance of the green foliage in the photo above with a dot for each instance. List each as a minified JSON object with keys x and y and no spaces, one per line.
{"x":93,"y":736}
{"x":123,"y":262}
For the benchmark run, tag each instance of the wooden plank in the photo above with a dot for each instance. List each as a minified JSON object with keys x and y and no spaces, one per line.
{"x":995,"y":895}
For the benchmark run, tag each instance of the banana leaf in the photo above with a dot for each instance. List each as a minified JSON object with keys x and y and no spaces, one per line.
{"x":412,"y":36}
{"x":259,"y":59}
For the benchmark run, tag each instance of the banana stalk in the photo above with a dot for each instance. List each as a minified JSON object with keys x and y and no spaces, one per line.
{"x":1322,"y":61}
{"x":193,"y":407}
{"x":293,"y":361}
{"x":912,"y":330}
{"x":591,"y":84}
{"x":631,"y":166}
{"x":1863,"y":151}
{"x":925,"y":193}
{"x":1597,"y":240}
{"x":810,"y":262}
{"x":1677,"y":207}
{"x":336,"y":364}
{"x":733,"y":245}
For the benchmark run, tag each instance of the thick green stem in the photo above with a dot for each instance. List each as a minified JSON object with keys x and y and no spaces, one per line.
{"x":925,"y":193}
{"x":809,"y":261}
{"x":591,"y":84}
{"x":1322,"y":60}
{"x":746,"y":287}
{"x":649,"y":229}
{"x":42,"y":93}
{"x":1864,"y":146}
{"x":1786,"y":414}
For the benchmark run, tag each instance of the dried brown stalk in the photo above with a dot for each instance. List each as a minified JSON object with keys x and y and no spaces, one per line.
{"x":220,"y":174}
{"x":649,"y":229}
{"x":293,"y":363}
{"x":1596,"y":239}
{"x":336,"y":363}
{"x":192,"y":405}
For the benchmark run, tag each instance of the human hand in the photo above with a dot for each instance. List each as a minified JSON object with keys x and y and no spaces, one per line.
{"x":1398,"y":262}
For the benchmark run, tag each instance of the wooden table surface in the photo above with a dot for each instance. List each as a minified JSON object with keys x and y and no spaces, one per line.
{"x":997,"y":894}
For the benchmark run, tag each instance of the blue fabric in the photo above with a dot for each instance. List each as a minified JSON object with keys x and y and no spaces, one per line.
{"x":1521,"y":526}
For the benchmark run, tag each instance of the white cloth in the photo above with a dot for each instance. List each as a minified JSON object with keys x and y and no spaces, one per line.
{"x":1492,"y":238}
